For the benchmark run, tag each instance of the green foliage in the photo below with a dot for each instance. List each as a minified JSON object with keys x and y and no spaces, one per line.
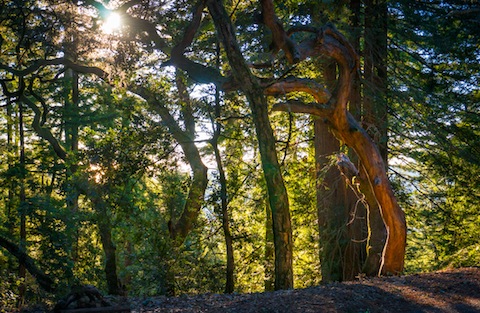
{"x":435,"y":130}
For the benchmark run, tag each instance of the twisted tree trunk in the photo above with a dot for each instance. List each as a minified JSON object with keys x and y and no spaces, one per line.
{"x":329,"y":42}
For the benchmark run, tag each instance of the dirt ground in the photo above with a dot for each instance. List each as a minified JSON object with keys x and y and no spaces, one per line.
{"x":456,"y":290}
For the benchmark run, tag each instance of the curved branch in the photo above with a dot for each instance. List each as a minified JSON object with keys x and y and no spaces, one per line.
{"x":201,"y":73}
{"x":330,"y":42}
{"x":301,"y":28}
{"x":44,"y":132}
{"x":182,"y":227}
{"x":293,"y":84}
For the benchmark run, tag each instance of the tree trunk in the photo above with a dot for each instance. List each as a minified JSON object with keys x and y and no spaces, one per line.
{"x":375,"y":71}
{"x":268,"y":262}
{"x":275,"y":185}
{"x":329,"y":42}
{"x":230,"y":282}
{"x":22,"y":288}
{"x":11,"y":149}
{"x":105,"y":231}
{"x":332,"y":206}
{"x":71,"y":99}
{"x":94,"y":193}
{"x":113,"y":283}
{"x":70,"y":119}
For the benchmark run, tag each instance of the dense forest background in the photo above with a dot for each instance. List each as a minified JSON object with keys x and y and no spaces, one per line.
{"x":130,"y":160}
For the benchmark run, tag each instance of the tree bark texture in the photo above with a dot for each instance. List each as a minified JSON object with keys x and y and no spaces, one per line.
{"x":22,"y":270}
{"x":331,"y":207}
{"x":105,"y":231}
{"x":268,"y":262}
{"x":70,"y":120}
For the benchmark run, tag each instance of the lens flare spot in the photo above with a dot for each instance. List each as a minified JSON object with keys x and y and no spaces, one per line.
{"x":112,"y":23}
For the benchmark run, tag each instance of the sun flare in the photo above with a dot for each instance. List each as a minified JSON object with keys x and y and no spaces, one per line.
{"x":112,"y":23}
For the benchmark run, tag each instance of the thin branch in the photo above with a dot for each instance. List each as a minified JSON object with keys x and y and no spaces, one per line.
{"x":289,"y":138}
{"x":59,"y":61}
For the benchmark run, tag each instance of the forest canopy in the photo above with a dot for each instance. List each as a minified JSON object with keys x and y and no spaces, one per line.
{"x":167,"y":147}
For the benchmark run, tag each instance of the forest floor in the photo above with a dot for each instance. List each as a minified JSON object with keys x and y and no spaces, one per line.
{"x":455,"y":290}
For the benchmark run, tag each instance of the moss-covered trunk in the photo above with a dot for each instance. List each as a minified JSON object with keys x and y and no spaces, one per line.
{"x":277,"y":193}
